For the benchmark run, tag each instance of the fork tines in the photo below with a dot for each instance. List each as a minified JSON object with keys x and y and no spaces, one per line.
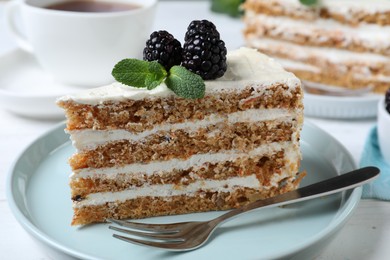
{"x":166,"y":236}
{"x":155,"y":228}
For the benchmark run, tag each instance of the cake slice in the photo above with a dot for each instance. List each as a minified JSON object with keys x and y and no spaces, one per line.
{"x":341,"y":43}
{"x":143,"y":153}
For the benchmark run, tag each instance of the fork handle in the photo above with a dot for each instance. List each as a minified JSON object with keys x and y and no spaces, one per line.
{"x":330,"y":186}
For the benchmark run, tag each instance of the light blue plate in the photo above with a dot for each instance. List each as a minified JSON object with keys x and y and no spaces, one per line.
{"x":39,"y":197}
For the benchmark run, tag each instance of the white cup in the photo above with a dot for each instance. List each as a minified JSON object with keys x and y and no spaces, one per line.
{"x":384,"y":130}
{"x":80,"y":48}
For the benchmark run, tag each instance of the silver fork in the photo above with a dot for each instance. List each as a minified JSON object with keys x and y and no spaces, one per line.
{"x":186,"y":236}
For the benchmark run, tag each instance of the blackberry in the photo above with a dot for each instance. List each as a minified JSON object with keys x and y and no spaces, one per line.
{"x":163,"y":48}
{"x":204,"y":53}
{"x":387,"y":100}
{"x":202,"y":26}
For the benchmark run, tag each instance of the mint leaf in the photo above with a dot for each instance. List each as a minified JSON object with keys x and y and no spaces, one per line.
{"x":139,"y":73}
{"x":309,"y":2}
{"x":146,"y":74}
{"x":184,"y":83}
{"x":230,"y":7}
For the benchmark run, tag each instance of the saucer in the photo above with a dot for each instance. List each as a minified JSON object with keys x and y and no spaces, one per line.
{"x":352,"y":107}
{"x":26,"y":90}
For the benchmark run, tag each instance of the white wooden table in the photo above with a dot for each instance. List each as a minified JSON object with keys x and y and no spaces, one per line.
{"x":365,"y":236}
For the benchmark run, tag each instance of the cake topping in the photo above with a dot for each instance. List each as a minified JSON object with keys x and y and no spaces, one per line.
{"x":150,"y":74}
{"x":245,"y":67}
{"x":163,"y":48}
{"x":204,"y":27}
{"x":139,"y":74}
{"x":204,"y":53}
{"x":387,"y":100}
{"x":202,"y":57}
{"x":308,"y":2}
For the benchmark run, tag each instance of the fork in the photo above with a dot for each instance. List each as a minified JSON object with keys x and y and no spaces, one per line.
{"x":185,"y":236}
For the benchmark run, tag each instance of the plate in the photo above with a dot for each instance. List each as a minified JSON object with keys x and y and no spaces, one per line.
{"x":38,"y":195}
{"x":26,"y":90}
{"x":337,"y":107}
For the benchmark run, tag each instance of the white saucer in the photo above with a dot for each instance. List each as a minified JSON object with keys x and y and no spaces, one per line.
{"x":26,"y":90}
{"x":341,"y":107}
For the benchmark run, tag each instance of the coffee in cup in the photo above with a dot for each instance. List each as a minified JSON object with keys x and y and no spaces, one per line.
{"x":79,"y":41}
{"x":92,"y":6}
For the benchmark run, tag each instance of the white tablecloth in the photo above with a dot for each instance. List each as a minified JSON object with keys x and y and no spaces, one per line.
{"x":365,"y":236}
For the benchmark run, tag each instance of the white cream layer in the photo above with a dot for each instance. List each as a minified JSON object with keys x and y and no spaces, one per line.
{"x":301,"y":52}
{"x":169,"y":190}
{"x":89,"y":139}
{"x":246,"y":67}
{"x":349,"y":8}
{"x":358,"y":75}
{"x":292,"y":155}
{"x":343,"y":7}
{"x":292,"y":65}
{"x":135,"y":170}
{"x":370,"y":36}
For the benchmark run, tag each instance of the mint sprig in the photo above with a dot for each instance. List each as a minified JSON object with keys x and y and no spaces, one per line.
{"x":309,"y":2}
{"x":139,"y":73}
{"x":150,"y":74}
{"x":229,"y":7}
{"x":184,"y":83}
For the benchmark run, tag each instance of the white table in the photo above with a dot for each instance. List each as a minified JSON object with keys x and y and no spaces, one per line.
{"x":365,"y":236}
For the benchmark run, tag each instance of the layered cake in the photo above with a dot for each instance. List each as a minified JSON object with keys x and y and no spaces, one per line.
{"x":343,"y":43}
{"x":143,"y":153}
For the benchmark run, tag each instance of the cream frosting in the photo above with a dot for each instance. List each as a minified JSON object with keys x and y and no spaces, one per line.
{"x":88,"y":139}
{"x":362,"y":73}
{"x":370,"y":36}
{"x":344,"y":7}
{"x":301,"y":52}
{"x":349,"y":7}
{"x":197,"y":160}
{"x":246,"y":67}
{"x":169,"y":190}
{"x":295,"y":65}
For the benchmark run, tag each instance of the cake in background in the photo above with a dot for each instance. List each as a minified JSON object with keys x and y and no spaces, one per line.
{"x":143,"y":153}
{"x":342,"y":43}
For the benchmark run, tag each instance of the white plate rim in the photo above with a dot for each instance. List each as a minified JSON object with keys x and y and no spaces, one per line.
{"x":363,"y":98}
{"x":359,"y":107}
{"x":339,"y":107}
{"x":349,"y":206}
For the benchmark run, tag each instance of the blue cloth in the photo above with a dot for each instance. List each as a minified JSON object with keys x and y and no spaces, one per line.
{"x":380,"y":187}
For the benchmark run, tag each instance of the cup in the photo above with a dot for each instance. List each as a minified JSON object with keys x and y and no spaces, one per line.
{"x":81,"y":47}
{"x":384,"y":130}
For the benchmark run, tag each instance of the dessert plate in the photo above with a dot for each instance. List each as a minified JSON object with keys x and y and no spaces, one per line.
{"x":26,"y":90}
{"x":39,"y":197}
{"x":341,"y":107}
